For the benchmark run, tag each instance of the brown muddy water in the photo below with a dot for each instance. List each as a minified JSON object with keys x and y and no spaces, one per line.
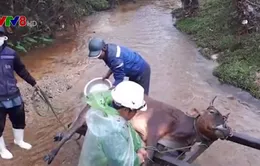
{"x":180,"y":76}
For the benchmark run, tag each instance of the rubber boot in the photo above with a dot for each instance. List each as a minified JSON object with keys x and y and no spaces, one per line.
{"x":5,"y":154}
{"x":18,"y":139}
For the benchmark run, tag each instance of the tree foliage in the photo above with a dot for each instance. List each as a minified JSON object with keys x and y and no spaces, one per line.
{"x":50,"y":15}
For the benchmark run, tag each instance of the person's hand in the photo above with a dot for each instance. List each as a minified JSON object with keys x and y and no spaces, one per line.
{"x":111,"y":88}
{"x":142,"y":155}
{"x":141,"y":158}
{"x":143,"y":152}
{"x":105,"y":77}
{"x":36,"y":87}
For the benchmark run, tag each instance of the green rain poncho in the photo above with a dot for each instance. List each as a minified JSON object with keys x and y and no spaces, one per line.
{"x":110,"y":140}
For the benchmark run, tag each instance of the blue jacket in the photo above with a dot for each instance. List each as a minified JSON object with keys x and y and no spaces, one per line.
{"x":123,"y":62}
{"x":10,"y":62}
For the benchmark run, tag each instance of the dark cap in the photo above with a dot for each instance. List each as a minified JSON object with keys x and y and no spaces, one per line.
{"x":95,"y":46}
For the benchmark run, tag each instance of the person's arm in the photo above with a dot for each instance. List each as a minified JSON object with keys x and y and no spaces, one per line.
{"x":136,"y":138}
{"x":108,"y":74}
{"x":21,"y":70}
{"x":137,"y":141}
{"x":117,"y":67}
{"x":115,"y":149}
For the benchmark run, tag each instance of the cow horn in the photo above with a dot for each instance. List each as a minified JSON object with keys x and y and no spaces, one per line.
{"x":212,"y":101}
{"x":226,"y":116}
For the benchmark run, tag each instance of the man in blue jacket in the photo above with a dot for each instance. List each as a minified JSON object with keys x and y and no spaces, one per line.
{"x":11,"y":103}
{"x":122,"y":62}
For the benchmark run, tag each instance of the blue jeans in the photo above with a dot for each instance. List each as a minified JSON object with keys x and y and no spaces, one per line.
{"x":144,"y":78}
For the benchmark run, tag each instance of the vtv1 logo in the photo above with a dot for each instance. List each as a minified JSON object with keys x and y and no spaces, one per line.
{"x":13,"y":21}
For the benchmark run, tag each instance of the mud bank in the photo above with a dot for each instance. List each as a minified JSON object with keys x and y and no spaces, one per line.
{"x":180,"y":76}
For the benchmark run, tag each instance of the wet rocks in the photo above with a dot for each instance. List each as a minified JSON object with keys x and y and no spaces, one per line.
{"x":214,"y":57}
{"x":209,"y":54}
{"x":231,"y":97}
{"x":248,"y":14}
{"x":177,"y":13}
{"x":206,"y":52}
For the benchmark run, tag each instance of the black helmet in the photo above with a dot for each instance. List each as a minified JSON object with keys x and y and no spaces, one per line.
{"x":2,"y":29}
{"x":95,"y":46}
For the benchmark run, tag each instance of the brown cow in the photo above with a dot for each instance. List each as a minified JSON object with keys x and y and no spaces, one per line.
{"x":159,"y":121}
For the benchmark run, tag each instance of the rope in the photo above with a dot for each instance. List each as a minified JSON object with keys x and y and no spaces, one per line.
{"x":44,"y":98}
{"x":169,"y":149}
{"x":33,"y":98}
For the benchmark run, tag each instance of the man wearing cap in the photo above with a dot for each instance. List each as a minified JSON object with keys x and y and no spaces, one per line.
{"x":11,"y":103}
{"x":110,"y":137}
{"x":122,"y":62}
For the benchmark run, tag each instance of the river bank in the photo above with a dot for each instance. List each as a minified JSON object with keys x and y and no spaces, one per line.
{"x":63,"y":70}
{"x":216,"y":30}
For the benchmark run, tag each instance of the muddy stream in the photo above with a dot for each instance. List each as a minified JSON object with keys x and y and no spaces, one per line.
{"x":180,"y":76}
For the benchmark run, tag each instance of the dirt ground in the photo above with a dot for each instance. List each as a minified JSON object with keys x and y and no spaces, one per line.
{"x":180,"y":77}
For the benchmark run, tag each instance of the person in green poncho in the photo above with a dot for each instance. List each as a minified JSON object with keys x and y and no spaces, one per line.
{"x":110,"y":139}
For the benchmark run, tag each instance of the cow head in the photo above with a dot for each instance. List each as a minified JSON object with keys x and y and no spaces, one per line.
{"x":211,"y":124}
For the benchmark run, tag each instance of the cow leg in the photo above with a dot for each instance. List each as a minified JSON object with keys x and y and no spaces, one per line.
{"x":81,"y":131}
{"x":67,"y":135}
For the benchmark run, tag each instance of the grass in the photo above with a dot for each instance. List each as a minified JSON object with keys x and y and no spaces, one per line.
{"x":215,"y":28}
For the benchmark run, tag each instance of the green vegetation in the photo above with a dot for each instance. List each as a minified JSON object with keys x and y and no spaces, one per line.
{"x":51,"y":16}
{"x":30,"y":42}
{"x":215,"y":27}
{"x":99,"y":5}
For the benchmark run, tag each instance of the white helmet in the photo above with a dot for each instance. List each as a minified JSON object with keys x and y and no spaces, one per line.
{"x":129,"y":94}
